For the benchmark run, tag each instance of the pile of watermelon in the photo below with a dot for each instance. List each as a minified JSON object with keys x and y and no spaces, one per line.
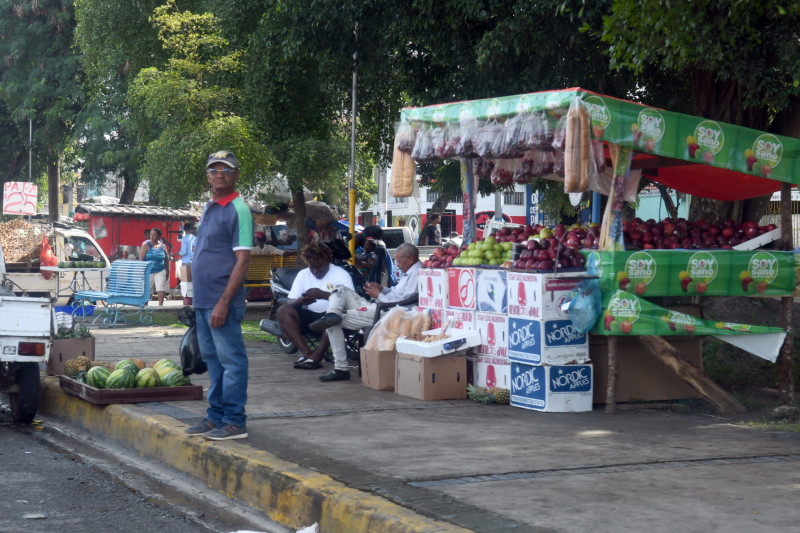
{"x":127,"y":374}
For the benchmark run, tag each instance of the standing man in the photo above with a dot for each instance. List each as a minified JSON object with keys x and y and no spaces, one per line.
{"x":187,"y":254}
{"x":222,"y":255}
{"x":432,"y":233}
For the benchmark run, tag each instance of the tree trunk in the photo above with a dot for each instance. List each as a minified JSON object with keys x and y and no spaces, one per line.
{"x":53,"y":190}
{"x":667,"y":199}
{"x":130,"y":184}
{"x":441,"y":203}
{"x":13,"y":165}
{"x":299,"y":202}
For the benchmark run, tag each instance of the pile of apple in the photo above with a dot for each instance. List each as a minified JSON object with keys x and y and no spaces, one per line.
{"x":557,"y":248}
{"x":442,"y":257}
{"x":489,"y":251}
{"x":680,"y":233}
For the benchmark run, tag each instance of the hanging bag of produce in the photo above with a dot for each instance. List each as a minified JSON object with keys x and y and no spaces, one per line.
{"x":469,"y":132}
{"x":402,"y":164}
{"x":423,"y":147}
{"x":404,"y":137}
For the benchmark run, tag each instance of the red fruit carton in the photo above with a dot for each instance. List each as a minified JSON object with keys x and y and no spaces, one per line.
{"x":491,"y":372}
{"x":459,"y":318}
{"x":461,"y":288}
{"x":432,"y":285}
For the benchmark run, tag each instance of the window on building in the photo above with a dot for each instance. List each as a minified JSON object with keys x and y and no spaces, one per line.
{"x":514,"y":198}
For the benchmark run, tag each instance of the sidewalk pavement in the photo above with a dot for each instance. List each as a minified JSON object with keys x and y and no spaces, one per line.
{"x":358,"y":460}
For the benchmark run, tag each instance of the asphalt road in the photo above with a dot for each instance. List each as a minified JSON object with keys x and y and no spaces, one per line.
{"x":51,"y":481}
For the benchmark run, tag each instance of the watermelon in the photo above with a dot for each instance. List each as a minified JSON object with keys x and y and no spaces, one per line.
{"x":147,"y":377}
{"x":97,"y":376}
{"x":164,"y":370}
{"x":175,"y":379}
{"x":127,"y":362}
{"x":169,"y":362}
{"x":122,"y":378}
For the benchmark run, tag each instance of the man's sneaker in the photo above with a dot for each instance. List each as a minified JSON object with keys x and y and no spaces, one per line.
{"x":335,"y":375}
{"x":200,"y":429}
{"x":327,"y":321}
{"x":226,"y":432}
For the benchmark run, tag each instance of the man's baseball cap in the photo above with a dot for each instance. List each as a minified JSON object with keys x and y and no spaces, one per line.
{"x":223,"y":156}
{"x":261,"y":235}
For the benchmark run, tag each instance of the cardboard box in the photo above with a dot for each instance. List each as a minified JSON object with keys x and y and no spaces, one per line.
{"x":459,"y":318}
{"x":494,"y":334}
{"x":546,"y":342}
{"x":377,"y":369}
{"x":490,"y":371}
{"x":553,"y":389}
{"x":431,"y":378}
{"x":461,"y":288}
{"x":64,"y":349}
{"x":492,"y":295}
{"x":186,"y":273}
{"x":432,"y":285}
{"x":457,"y":340}
{"x":538,"y":296}
{"x":641,"y":376}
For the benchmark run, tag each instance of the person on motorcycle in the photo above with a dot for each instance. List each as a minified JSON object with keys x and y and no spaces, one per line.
{"x":346,"y":309}
{"x":308,"y":302}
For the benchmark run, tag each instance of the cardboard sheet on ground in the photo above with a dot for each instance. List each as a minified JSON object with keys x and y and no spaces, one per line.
{"x":624,"y":313}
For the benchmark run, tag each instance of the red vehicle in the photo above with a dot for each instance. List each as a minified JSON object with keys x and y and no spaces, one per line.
{"x":119,"y":229}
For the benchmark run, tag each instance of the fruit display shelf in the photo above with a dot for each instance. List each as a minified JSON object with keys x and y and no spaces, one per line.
{"x":110,"y":396}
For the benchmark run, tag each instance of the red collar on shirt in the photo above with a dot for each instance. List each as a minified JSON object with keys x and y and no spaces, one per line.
{"x":228,"y":199}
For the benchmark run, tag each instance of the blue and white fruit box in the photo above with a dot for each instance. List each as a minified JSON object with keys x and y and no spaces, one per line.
{"x":552,"y":389}
{"x":546,"y":342}
{"x":492,"y":294}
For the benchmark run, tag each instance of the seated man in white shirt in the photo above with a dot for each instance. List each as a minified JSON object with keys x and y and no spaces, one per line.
{"x":348,"y":310}
{"x":308,"y":301}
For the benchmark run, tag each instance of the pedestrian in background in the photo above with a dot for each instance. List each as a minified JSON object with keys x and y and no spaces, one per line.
{"x":153,"y":250}
{"x":222,"y":255}
{"x":187,"y":254}
{"x":432,"y":232}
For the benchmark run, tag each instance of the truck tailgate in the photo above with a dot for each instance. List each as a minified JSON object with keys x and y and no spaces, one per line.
{"x":25,"y":317}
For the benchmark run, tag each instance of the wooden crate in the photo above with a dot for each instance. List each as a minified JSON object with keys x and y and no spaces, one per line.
{"x":150,"y":394}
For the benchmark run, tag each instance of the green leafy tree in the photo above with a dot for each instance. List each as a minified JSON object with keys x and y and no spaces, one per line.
{"x":40,"y":77}
{"x":741,"y":60}
{"x":191,"y":102}
{"x":116,"y":40}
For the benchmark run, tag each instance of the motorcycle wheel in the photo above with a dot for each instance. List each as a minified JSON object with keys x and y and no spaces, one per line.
{"x":24,"y":394}
{"x":286,"y":345}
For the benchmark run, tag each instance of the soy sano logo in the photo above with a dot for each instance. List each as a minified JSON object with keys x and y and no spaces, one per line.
{"x":765,"y":154}
{"x":640,"y":270}
{"x":680,"y":323}
{"x":763,"y":270}
{"x":706,"y":143}
{"x":599,"y":114}
{"x":573,"y":378}
{"x":648,"y":130}
{"x":701,"y":270}
{"x":622,"y":312}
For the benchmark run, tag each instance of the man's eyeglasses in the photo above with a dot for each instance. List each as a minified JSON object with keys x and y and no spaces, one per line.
{"x":223,"y":171}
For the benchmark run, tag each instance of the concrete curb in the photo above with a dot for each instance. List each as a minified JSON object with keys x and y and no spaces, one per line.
{"x":287,"y":493}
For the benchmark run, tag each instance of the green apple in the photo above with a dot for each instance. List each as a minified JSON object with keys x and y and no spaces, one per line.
{"x":545,"y":233}
{"x":490,"y":240}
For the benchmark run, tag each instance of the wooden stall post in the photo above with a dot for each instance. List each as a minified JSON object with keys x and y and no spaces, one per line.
{"x":785,"y":371}
{"x":610,"y":237}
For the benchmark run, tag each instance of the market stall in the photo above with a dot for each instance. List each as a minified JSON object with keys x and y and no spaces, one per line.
{"x":592,"y":142}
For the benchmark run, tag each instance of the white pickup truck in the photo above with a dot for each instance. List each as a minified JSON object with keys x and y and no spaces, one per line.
{"x":70,"y":243}
{"x":26,"y":330}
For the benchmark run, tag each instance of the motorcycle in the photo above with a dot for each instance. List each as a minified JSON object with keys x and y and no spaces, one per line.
{"x":282,"y":280}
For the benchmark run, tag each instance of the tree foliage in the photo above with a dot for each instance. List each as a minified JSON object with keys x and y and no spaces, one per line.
{"x":191,"y":102}
{"x":40,"y":76}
